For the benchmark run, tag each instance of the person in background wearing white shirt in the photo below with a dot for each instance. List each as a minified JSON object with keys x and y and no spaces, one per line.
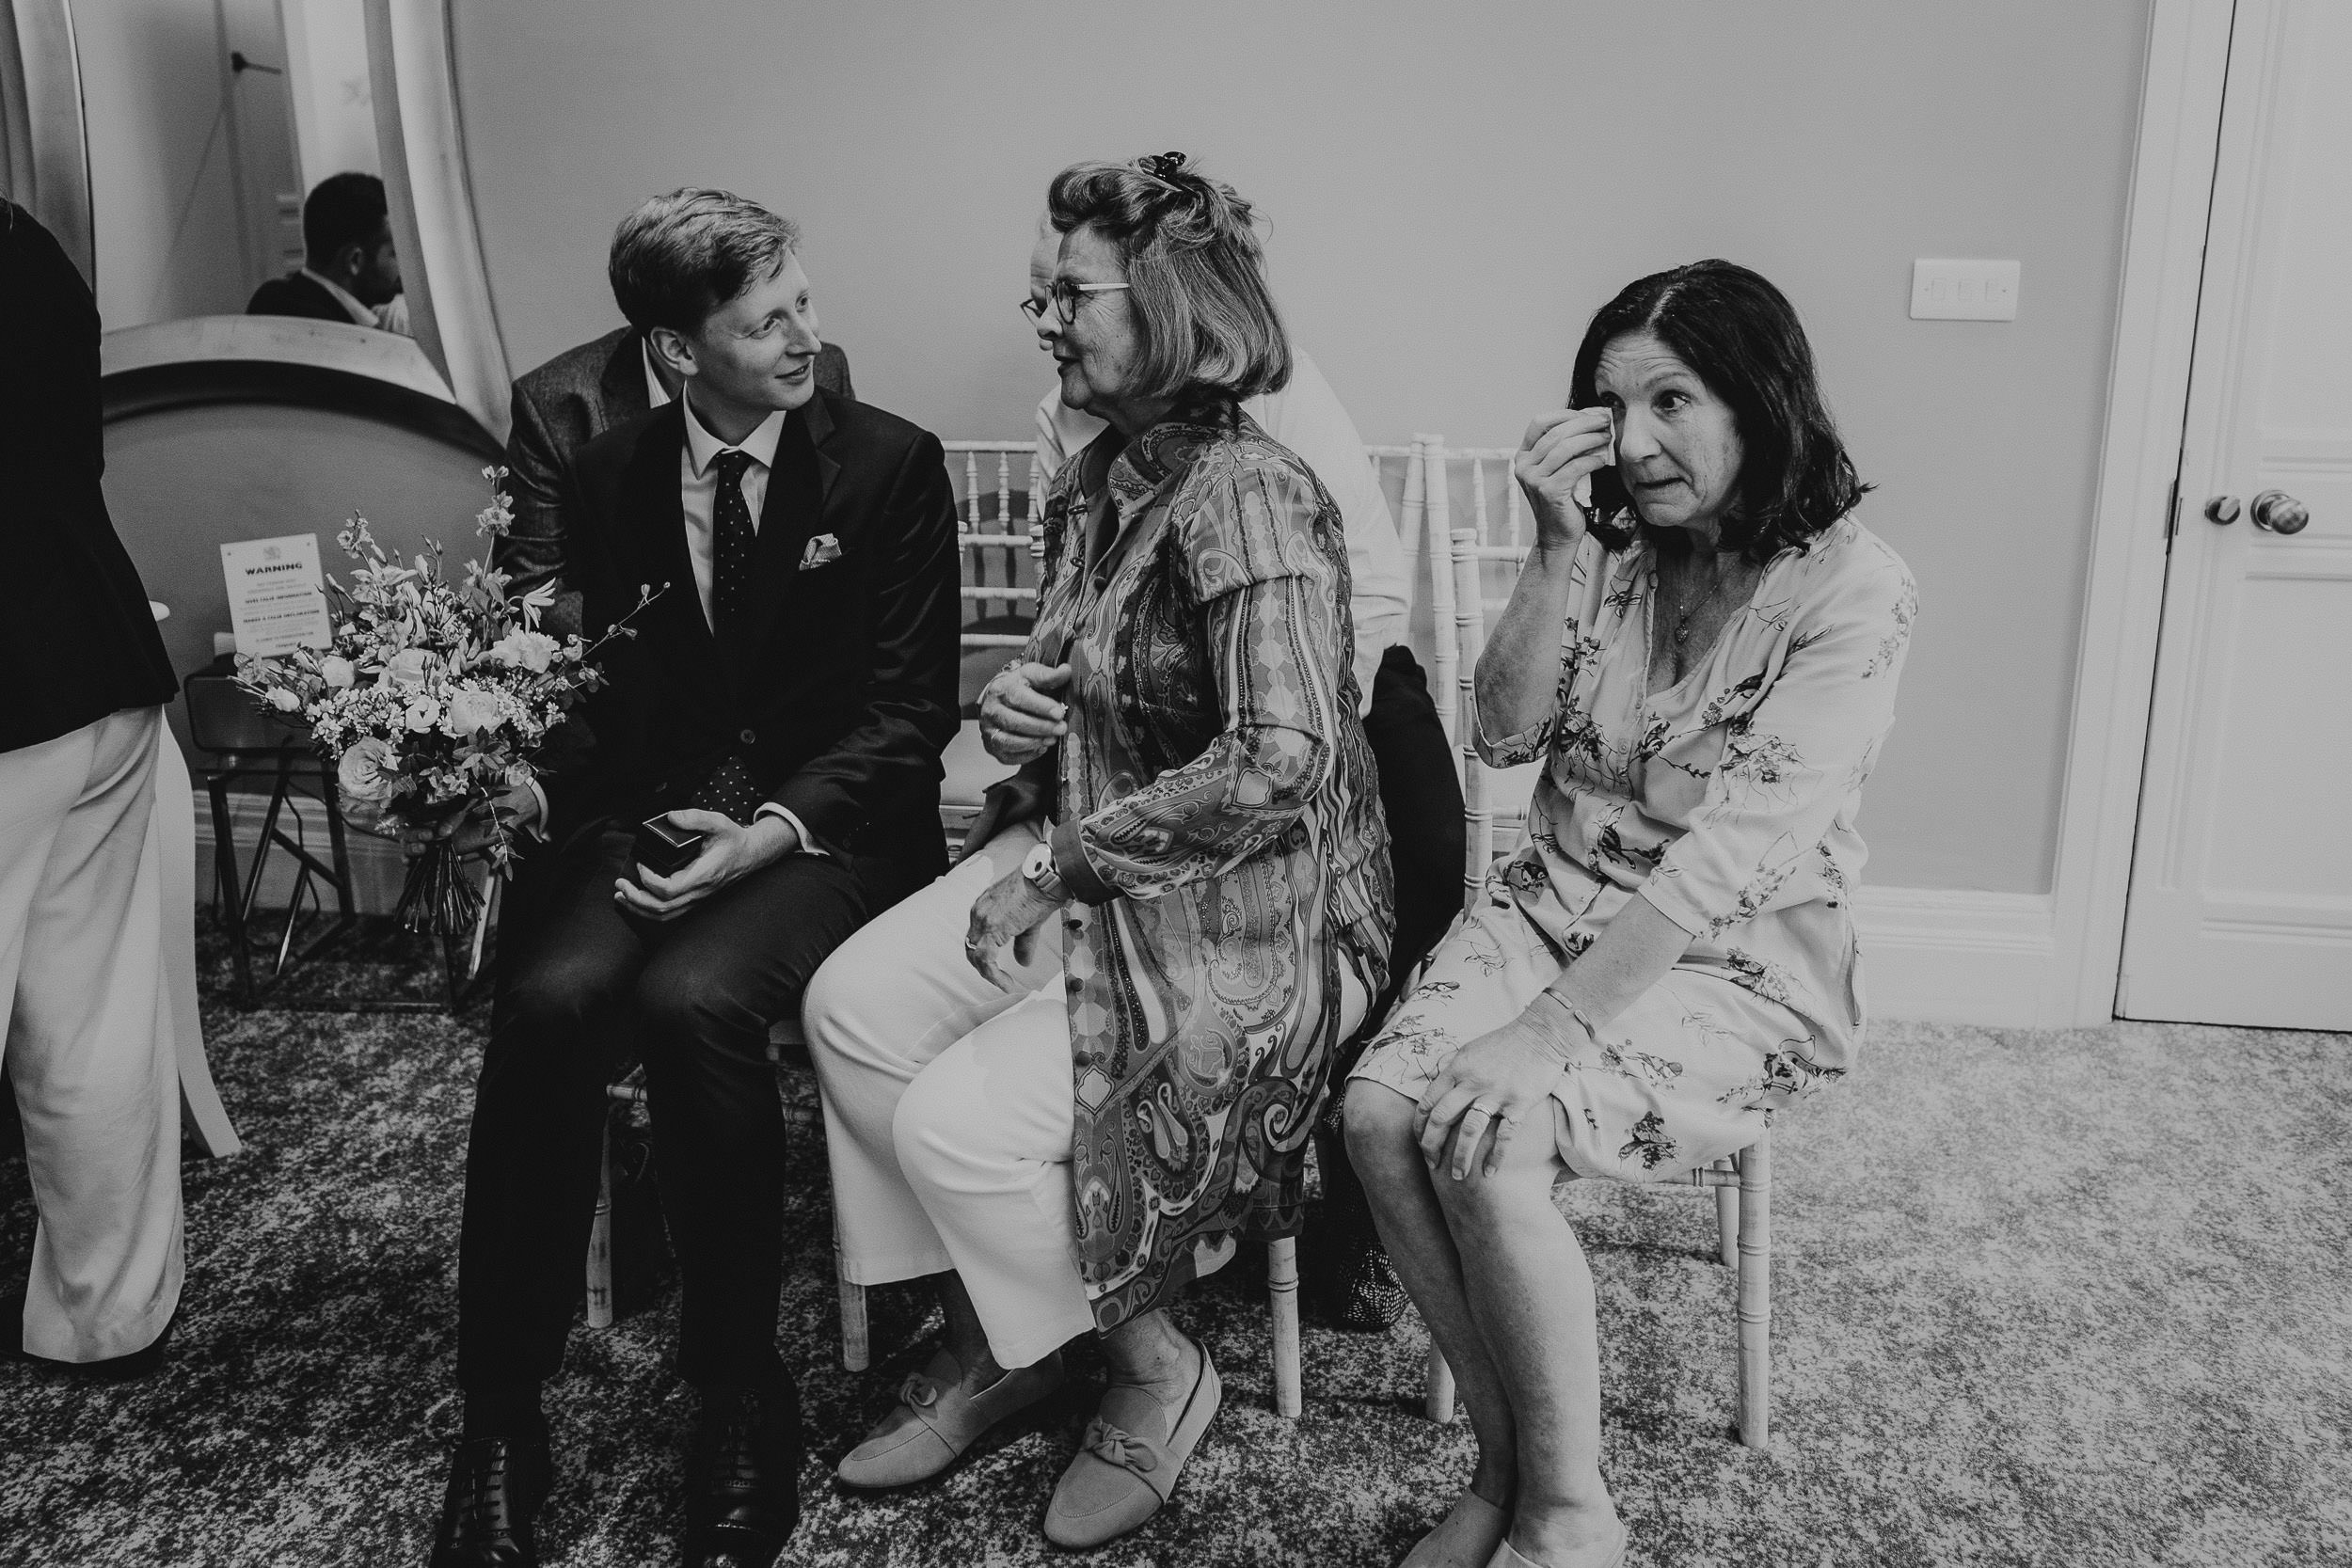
{"x":350,"y":270}
{"x":1420,"y":794}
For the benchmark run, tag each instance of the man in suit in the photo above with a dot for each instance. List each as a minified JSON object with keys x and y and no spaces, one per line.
{"x":788,"y":695}
{"x":90,"y":1048}
{"x":350,"y":268}
{"x":561,"y":406}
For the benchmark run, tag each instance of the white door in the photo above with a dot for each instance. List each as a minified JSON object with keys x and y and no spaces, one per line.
{"x":2241,"y":896}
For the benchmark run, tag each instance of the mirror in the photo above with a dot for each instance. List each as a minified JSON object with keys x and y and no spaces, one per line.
{"x":209,"y":126}
{"x":175,"y":150}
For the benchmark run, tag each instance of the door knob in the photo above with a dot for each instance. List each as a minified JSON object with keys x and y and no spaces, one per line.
{"x":2280,"y":513}
{"x":2222,"y":509}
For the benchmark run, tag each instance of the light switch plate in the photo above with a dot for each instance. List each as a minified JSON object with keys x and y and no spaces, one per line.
{"x":1964,"y":291}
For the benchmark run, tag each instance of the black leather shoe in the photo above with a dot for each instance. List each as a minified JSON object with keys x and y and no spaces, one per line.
{"x":742,"y":1479}
{"x":495,"y":1484}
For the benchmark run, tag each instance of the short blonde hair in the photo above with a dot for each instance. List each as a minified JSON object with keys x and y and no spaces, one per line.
{"x":1196,"y":271}
{"x":679,"y":257}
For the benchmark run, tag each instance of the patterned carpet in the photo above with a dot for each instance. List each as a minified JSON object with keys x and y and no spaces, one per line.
{"x":2076,"y":1298}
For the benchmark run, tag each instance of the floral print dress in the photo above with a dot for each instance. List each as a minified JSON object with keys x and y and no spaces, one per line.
{"x":1727,"y":800}
{"x":1219,"y":822}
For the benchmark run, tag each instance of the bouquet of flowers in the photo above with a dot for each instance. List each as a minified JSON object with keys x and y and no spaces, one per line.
{"x":433,"y":700}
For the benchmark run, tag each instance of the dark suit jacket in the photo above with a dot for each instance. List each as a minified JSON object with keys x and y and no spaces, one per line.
{"x":296,"y":295}
{"x":77,"y":636}
{"x":841,"y":697}
{"x":561,"y":408}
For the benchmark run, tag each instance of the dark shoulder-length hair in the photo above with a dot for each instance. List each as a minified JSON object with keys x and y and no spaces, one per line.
{"x":1740,"y":336}
{"x":1195,"y":270}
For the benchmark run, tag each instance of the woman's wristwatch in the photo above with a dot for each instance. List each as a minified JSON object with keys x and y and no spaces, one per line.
{"x":1043,"y":875}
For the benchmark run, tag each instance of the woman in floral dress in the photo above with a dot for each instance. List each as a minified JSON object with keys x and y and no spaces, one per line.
{"x":1703,"y":659}
{"x":1066,"y":1075}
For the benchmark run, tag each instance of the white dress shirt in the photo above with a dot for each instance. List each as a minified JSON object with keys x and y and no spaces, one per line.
{"x":1306,"y":416}
{"x":698,"y":491}
{"x":698,"y":499}
{"x":360,"y":314}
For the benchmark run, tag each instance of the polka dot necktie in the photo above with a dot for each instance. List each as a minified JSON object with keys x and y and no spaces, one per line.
{"x":729,"y":789}
{"x":732,"y":542}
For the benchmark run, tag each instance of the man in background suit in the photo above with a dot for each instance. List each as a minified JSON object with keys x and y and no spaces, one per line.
{"x":561,"y":406}
{"x":350,"y":269}
{"x":89,"y":1047}
{"x":787,"y":694}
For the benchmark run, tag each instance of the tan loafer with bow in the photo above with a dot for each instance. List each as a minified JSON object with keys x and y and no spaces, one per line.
{"x":1607,"y":1554}
{"x":1129,"y":1462}
{"x":935,"y":1421}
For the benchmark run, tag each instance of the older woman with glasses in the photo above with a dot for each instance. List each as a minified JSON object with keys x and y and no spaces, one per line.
{"x":1064,"y":1077}
{"x":1703,"y":656}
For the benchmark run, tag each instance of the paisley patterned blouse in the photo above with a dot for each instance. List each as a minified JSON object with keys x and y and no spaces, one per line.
{"x":1219,"y":822}
{"x":1728,"y":799}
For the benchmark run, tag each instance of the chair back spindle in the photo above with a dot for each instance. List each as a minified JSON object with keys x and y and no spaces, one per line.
{"x":1470,"y":636}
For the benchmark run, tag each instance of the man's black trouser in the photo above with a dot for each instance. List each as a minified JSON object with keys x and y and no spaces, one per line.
{"x":580,"y":986}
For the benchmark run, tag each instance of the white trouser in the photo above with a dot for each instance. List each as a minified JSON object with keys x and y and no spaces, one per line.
{"x":948,"y":1110}
{"x":948,"y":1113}
{"x":88,"y":1035}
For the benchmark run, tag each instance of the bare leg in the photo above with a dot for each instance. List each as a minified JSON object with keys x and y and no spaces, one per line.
{"x":968,"y":1341}
{"x":1530,"y":1296}
{"x":1405,"y":1206}
{"x":1148,"y":1352}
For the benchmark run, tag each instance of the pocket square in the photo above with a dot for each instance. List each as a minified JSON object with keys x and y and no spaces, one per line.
{"x":822,"y":550}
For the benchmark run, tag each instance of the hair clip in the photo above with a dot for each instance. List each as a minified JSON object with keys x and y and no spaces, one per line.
{"x":1164,"y":166}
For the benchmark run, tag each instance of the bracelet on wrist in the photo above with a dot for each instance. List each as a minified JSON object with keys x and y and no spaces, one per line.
{"x":1568,"y":1017}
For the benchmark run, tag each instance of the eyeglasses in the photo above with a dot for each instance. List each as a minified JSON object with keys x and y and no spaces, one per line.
{"x":1065,"y":295}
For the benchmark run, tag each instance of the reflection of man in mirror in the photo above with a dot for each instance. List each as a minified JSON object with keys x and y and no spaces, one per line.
{"x":350,"y":270}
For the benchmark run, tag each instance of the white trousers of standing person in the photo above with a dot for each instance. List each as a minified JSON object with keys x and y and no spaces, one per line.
{"x":90,"y":1036}
{"x":949,"y":1110}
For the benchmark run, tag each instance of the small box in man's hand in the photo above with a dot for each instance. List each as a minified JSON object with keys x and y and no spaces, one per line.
{"x":665,"y":849}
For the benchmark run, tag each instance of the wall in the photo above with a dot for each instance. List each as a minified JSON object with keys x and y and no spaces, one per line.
{"x":1452,"y":189}
{"x":167,"y":240}
{"x":260,"y":471}
{"x":188,"y":161}
{"x":326,"y":61}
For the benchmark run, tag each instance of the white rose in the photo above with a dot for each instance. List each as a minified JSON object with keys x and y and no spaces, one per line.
{"x":408,"y":669}
{"x":423,"y":713}
{"x":472,"y":709}
{"x":336,"y":672}
{"x":284,"y":700}
{"x":364,"y":772}
{"x":533,"y":650}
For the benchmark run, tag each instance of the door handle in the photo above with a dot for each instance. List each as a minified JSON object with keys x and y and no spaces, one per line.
{"x":2280,"y":513}
{"x":2222,"y":510}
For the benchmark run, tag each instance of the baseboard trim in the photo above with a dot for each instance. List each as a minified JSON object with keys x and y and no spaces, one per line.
{"x":1939,"y":955}
{"x":1952,"y":956}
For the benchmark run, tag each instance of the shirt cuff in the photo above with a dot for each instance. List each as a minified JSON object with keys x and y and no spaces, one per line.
{"x":1664,"y":891}
{"x":1078,"y":874}
{"x":538,"y":828}
{"x":1514,"y":750}
{"x":808,"y":844}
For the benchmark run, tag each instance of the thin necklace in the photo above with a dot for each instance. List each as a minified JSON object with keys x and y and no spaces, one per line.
{"x":1682,"y":622}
